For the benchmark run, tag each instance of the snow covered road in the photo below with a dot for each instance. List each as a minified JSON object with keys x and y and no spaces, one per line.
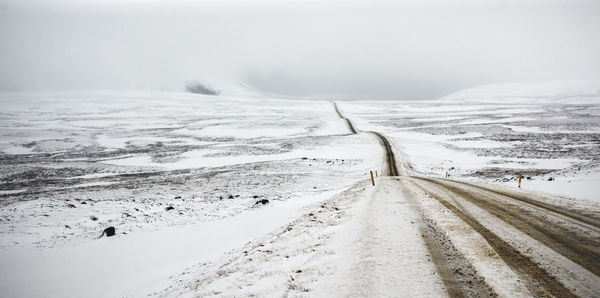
{"x":553,"y":248}
{"x":417,"y":237}
{"x":365,"y":241}
{"x":406,"y":236}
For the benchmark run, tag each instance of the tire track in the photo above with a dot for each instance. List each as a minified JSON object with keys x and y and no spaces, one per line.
{"x":573,"y":215}
{"x":538,"y":281}
{"x":578,"y":246}
{"x":459,"y":277}
{"x":570,"y":233}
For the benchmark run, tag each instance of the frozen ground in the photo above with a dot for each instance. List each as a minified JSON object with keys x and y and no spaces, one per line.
{"x":74,"y":164}
{"x":361,"y":242}
{"x":548,"y":134}
{"x":180,"y":176}
{"x":124,"y":158}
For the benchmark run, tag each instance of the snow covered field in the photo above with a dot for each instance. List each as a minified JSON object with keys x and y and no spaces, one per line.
{"x":548,"y":134}
{"x":181,"y":177}
{"x":74,"y":164}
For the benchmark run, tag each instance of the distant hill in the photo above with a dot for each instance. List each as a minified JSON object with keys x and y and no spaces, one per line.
{"x":559,"y":92}
{"x":225,"y":88}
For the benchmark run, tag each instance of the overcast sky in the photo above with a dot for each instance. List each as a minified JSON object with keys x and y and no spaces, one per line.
{"x":387,"y":49}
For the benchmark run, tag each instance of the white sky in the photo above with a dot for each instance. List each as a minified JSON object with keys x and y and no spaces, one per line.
{"x":390,"y":49}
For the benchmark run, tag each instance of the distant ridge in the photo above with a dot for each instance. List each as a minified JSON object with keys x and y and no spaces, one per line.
{"x":548,"y":92}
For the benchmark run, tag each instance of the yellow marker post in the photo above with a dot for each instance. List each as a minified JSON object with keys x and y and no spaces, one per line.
{"x":520,"y":177}
{"x":376,"y":175}
{"x":372,"y":179}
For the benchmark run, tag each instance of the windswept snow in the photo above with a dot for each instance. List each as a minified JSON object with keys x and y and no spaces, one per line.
{"x":183,"y":177}
{"x":94,"y":160}
{"x":365,"y":241}
{"x":551,"y":142}
{"x":138,"y":263}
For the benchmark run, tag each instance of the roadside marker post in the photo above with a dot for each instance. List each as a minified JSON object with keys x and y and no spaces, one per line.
{"x":520,"y":177}
{"x":376,"y":175}
{"x":446,"y":174}
{"x":372,"y":179}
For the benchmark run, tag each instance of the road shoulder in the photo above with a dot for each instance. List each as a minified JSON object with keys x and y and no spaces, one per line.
{"x":365,"y":241}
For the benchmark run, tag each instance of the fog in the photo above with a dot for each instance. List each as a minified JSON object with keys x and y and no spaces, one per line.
{"x":370,"y":49}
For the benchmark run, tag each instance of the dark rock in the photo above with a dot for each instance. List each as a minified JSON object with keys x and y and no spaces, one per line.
{"x":550,"y":179}
{"x":263,"y":201}
{"x":177,"y":197}
{"x":84,"y":203}
{"x":255,"y":197}
{"x":304,"y":158}
{"x":200,"y":88}
{"x":230,"y":196}
{"x":71,"y":206}
{"x":67,"y":226}
{"x":110,"y":231}
{"x":94,"y":218}
{"x":169,"y":208}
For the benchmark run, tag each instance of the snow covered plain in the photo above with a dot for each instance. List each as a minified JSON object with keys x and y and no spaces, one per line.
{"x":548,"y":133}
{"x":76,"y":163}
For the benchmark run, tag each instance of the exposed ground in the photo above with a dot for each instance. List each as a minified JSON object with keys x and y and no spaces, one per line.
{"x":567,"y":232}
{"x":325,"y":231}
{"x":482,"y":240}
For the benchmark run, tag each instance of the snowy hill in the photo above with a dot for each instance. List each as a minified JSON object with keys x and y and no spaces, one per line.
{"x":233,"y":88}
{"x":550,"y":92}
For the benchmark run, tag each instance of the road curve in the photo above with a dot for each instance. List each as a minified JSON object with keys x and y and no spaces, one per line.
{"x":348,"y":122}
{"x":390,"y":160}
{"x":570,"y":236}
